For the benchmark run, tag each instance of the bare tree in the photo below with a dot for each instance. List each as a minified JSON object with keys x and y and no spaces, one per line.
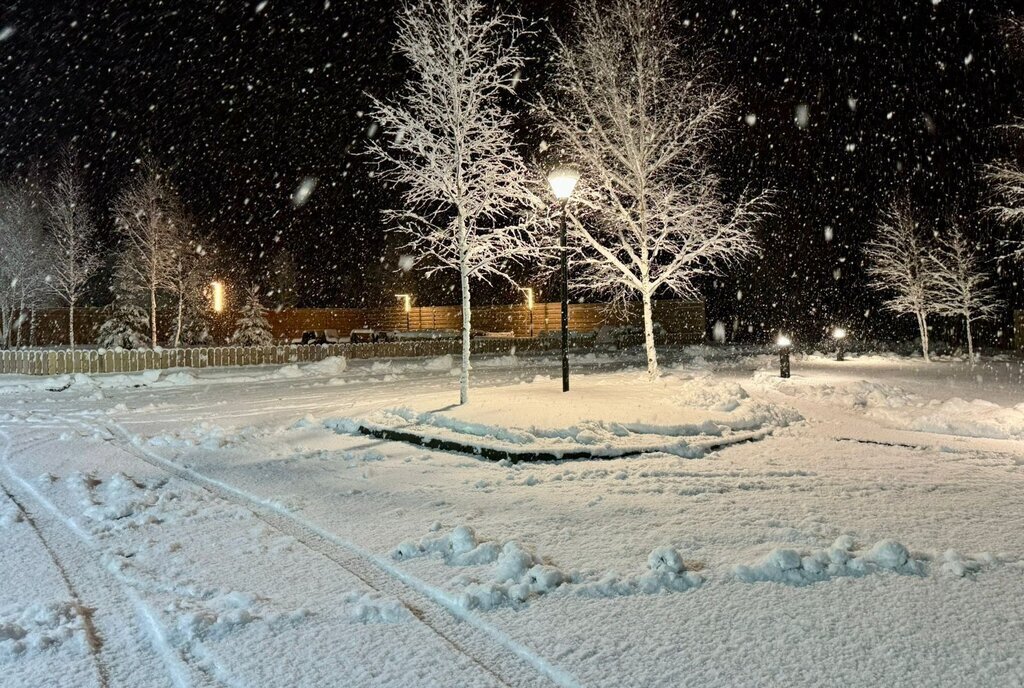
{"x":900,"y":264}
{"x":186,"y":277}
{"x":640,"y":120}
{"x":451,"y":148}
{"x":1006,"y":177}
{"x":1006,"y":182}
{"x":76,"y":257}
{"x":25,"y":257}
{"x":147,"y":214}
{"x":961,"y":283}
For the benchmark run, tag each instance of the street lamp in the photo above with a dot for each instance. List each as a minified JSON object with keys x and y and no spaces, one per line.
{"x":407,"y":307}
{"x":785,"y":344}
{"x":529,"y":305}
{"x":563,"y":180}
{"x":839,"y":335}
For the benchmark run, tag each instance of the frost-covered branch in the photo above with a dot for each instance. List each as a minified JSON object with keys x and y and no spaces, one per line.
{"x":449,"y":145}
{"x":640,"y":121}
{"x":149,"y":219}
{"x":902,"y":266}
{"x":76,"y":257}
{"x":961,"y":283}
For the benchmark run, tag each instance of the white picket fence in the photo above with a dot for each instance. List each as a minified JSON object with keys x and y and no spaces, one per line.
{"x":62,"y":362}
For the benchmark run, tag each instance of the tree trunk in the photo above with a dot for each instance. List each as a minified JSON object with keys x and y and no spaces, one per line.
{"x":71,"y":324}
{"x":970,"y":340}
{"x":5,"y":323}
{"x":922,"y":325}
{"x":181,"y":311}
{"x":20,"y":321}
{"x":652,"y":355}
{"x":152,"y":315}
{"x":466,"y":315}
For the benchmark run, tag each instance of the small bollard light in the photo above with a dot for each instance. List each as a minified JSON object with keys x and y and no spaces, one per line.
{"x":784,"y":344}
{"x":839,"y":335}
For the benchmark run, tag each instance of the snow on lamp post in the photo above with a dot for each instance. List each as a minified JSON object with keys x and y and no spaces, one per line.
{"x":407,"y":307}
{"x":563,"y":180}
{"x":528,"y":291}
{"x":785,"y":344}
{"x":839,"y":335}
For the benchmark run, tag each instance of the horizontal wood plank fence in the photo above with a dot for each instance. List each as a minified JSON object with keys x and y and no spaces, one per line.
{"x":682,"y":318}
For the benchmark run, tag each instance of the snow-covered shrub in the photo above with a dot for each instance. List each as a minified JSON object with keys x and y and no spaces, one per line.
{"x":125,"y":326}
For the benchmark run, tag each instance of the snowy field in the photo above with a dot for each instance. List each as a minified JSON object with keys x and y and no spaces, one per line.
{"x":859,"y":524}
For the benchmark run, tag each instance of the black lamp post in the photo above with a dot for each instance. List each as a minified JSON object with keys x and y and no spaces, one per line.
{"x":839,"y":335}
{"x":784,"y":345}
{"x":563,"y":181}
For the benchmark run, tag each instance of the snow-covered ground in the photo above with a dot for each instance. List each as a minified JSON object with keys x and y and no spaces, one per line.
{"x":861,"y":523}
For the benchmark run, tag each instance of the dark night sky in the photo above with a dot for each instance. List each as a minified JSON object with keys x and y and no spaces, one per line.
{"x":241,"y":102}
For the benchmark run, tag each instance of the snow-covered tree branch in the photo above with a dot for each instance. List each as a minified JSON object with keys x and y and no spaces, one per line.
{"x":148,"y":217}
{"x":25,"y":257}
{"x":450,"y":146}
{"x":640,"y":121}
{"x":186,"y":278}
{"x":961,"y":283}
{"x":74,"y":236}
{"x":901,"y":265}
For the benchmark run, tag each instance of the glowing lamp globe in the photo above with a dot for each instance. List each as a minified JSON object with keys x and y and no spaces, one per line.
{"x":563,"y":181}
{"x":839,"y":333}
{"x":784,"y":341}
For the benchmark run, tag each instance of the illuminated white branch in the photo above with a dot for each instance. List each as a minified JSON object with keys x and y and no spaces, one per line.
{"x":902,"y":266}
{"x":648,"y":215}
{"x":450,"y":148}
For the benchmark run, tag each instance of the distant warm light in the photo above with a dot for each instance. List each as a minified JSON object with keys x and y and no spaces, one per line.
{"x":563,"y":181}
{"x":784,"y":341}
{"x":217,"y":291}
{"x":406,"y":301}
{"x":839,"y":333}
{"x":529,"y":297}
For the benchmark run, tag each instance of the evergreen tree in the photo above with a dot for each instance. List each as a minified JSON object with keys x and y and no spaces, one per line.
{"x":126,"y":325}
{"x":127,"y":322}
{"x":252,"y":328}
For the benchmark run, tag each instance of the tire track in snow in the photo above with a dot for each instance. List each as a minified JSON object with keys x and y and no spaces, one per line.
{"x":57,"y":527}
{"x":92,"y":639}
{"x":509,"y":661}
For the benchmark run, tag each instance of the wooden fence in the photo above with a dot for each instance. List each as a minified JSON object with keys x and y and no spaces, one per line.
{"x":52,"y":362}
{"x":683,"y":318}
{"x":675,"y":317}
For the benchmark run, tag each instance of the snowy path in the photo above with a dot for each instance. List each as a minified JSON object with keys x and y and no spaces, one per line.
{"x":477,"y":639}
{"x":260,"y":540}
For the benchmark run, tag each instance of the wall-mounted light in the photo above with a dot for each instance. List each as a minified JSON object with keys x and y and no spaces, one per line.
{"x":217,"y":296}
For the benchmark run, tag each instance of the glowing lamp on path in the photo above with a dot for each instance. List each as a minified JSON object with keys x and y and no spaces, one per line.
{"x":839,"y":335}
{"x":217,"y":296}
{"x":785,"y":344}
{"x":563,"y":181}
